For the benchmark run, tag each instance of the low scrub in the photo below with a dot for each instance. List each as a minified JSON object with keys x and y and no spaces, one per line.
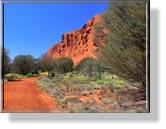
{"x":80,"y":81}
{"x":13,"y":76}
{"x":79,"y":93}
{"x":31,"y":75}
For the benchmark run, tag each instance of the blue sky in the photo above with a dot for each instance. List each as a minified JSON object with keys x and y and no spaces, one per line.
{"x":33,"y":28}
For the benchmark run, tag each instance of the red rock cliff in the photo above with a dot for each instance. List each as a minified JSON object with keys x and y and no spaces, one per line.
{"x":77,"y":44}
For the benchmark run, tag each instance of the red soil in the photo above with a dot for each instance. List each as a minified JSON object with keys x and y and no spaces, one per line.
{"x":24,"y":94}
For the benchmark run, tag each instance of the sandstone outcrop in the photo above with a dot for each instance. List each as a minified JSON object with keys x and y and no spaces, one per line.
{"x":76,"y":44}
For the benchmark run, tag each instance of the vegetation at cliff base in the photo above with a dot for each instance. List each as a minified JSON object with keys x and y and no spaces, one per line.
{"x":124,"y":51}
{"x":113,"y":81}
{"x":7,"y":60}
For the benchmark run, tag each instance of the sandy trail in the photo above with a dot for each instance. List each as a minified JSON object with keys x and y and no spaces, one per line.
{"x":24,"y":94}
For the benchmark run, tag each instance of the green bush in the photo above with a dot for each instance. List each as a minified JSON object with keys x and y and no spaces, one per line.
{"x":111,"y":80}
{"x":103,"y":82}
{"x":23,"y":64}
{"x":90,"y":66}
{"x":13,"y":76}
{"x":124,"y":49}
{"x":38,"y":66}
{"x":80,"y":79}
{"x":31,"y":75}
{"x":45,"y":83}
{"x":48,"y":64}
{"x":63,"y":65}
{"x":118,"y":83}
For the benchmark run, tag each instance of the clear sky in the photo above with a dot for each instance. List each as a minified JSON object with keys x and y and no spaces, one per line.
{"x":33,"y":28}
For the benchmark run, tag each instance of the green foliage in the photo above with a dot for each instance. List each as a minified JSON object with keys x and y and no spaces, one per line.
{"x":23,"y":64}
{"x":31,"y":75}
{"x":112,"y":81}
{"x":38,"y":66}
{"x":63,"y":65}
{"x":117,"y":82}
{"x":73,"y":82}
{"x":6,"y":62}
{"x":81,"y":66}
{"x":124,"y":51}
{"x":48,"y":64}
{"x":103,"y":82}
{"x":60,"y":65}
{"x":65,"y":101}
{"x":81,"y":79}
{"x":68,"y":88}
{"x":90,"y":66}
{"x":45,"y":83}
{"x":13,"y":76}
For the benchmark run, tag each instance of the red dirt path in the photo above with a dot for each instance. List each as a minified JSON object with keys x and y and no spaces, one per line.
{"x":24,"y":94}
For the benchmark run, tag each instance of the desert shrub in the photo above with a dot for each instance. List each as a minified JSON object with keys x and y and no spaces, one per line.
{"x":13,"y":76}
{"x":90,"y":66}
{"x":63,"y":102}
{"x":80,"y":79}
{"x":31,"y":75}
{"x":45,"y":83}
{"x":124,"y":38}
{"x":48,"y":64}
{"x":112,"y":81}
{"x":117,"y":82}
{"x":63,"y":65}
{"x":38,"y":66}
{"x":81,"y":66}
{"x":23,"y":64}
{"x":103,"y":82}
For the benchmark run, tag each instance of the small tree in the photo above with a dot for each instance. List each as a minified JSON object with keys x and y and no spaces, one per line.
{"x":124,"y":49}
{"x":63,"y":65}
{"x":23,"y":64}
{"x":48,"y":64}
{"x":90,"y":66}
{"x":6,"y":62}
{"x":38,"y":65}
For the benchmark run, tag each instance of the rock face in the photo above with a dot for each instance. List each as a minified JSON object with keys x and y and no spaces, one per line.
{"x":77,"y":44}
